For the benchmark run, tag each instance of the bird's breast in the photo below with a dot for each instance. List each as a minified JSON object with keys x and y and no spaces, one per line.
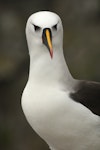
{"x":43,"y":105}
{"x":55,"y":117}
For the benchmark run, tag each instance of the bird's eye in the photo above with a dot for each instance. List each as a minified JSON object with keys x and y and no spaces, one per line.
{"x":36,"y":28}
{"x":55,"y":27}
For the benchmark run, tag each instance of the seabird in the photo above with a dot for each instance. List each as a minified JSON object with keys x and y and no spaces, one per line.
{"x":62,"y":110}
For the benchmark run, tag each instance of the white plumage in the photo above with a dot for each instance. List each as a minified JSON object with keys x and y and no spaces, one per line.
{"x":62,"y":122}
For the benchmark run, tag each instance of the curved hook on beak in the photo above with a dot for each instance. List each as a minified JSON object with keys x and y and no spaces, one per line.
{"x":47,"y":40}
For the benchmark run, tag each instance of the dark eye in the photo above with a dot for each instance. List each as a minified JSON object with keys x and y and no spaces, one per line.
{"x":36,"y":28}
{"x":55,"y":27}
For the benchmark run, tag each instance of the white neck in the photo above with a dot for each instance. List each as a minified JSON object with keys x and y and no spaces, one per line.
{"x":47,"y":71}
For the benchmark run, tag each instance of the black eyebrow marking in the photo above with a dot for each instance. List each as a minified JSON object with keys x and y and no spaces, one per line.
{"x":36,"y":27}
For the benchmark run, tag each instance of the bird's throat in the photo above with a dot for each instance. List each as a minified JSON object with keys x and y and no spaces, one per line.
{"x":45,"y":70}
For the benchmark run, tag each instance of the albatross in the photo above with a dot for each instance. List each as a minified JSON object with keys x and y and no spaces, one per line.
{"x":63,"y":111}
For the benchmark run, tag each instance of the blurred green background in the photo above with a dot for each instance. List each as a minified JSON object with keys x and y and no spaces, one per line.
{"x":81,"y":21}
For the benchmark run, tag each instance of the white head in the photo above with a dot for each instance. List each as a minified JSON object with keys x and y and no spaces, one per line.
{"x":44,"y":32}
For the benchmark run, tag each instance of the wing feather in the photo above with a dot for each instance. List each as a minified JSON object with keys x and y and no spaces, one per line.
{"x":88,"y":94}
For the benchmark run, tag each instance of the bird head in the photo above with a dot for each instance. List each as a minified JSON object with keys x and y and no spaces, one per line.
{"x":44,"y":32}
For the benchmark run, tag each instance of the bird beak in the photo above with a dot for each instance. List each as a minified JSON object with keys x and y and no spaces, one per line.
{"x":47,"y":40}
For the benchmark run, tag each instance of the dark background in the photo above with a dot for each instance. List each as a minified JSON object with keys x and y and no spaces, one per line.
{"x":81,"y":21}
